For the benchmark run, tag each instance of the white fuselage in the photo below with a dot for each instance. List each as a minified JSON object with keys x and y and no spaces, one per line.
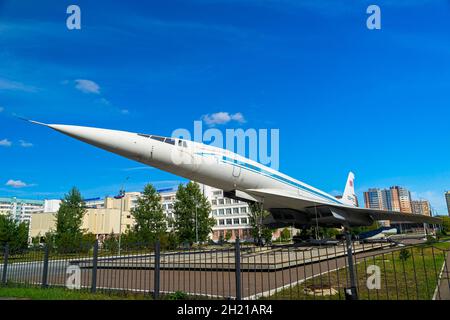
{"x":209,"y":165}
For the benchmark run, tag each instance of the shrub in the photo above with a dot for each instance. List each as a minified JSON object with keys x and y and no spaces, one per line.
{"x":178,"y":295}
{"x":285,"y":235}
{"x":404,"y":254}
{"x":431,"y":240}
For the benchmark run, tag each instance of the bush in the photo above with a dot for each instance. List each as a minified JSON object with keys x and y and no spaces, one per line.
{"x":169,"y":241}
{"x":178,"y":295}
{"x":285,"y":235}
{"x":111,"y":243}
{"x":14,"y":233}
{"x":431,"y":240}
{"x":404,"y":254}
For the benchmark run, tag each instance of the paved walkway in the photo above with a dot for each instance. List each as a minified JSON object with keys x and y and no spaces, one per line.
{"x":443,"y":289}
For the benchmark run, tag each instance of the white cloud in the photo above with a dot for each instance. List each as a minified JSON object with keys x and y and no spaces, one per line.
{"x":2,"y":109}
{"x":5,"y":143}
{"x":87,"y":86}
{"x":222,"y":118}
{"x":6,"y":84}
{"x":25,"y":144}
{"x":16,"y":183}
{"x":238,"y":117}
{"x":125,"y":111}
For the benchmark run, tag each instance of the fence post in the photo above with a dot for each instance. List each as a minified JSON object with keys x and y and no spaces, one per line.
{"x":237,"y":260}
{"x":350,"y":293}
{"x":157,"y":269}
{"x":94,"y":267}
{"x":5,"y":263}
{"x":45,"y":267}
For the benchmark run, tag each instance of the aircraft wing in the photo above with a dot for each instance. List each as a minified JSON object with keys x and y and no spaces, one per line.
{"x":289,"y":208}
{"x":395,"y":216}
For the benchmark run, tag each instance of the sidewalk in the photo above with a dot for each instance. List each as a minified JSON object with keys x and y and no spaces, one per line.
{"x":443,"y":292}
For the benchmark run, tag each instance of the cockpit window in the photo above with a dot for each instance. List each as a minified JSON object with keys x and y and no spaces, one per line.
{"x":157,"y":138}
{"x":170,"y":141}
{"x":162,"y":139}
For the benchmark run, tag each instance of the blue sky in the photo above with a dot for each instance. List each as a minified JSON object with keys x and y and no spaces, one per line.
{"x":343,"y":97}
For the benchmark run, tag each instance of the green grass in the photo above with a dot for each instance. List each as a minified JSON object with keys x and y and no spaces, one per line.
{"x":413,"y":279}
{"x":36,"y":293}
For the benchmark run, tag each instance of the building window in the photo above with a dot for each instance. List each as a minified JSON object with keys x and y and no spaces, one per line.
{"x":221,"y":222}
{"x":243,"y":220}
{"x":244,"y":210}
{"x":228,"y":210}
{"x":221,"y":212}
{"x":214,"y":212}
{"x":217,"y":193}
{"x":214,"y":202}
{"x":236,"y":221}
{"x":229,"y":221}
{"x":235,"y":210}
{"x":221,"y":201}
{"x":170,"y":206}
{"x":227,"y":200}
{"x":235,"y":201}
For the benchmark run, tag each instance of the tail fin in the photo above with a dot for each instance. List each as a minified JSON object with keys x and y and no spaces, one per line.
{"x":349,"y":196}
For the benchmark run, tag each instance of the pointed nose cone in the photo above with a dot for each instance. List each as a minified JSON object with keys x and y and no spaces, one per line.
{"x":99,"y":137}
{"x":119,"y":142}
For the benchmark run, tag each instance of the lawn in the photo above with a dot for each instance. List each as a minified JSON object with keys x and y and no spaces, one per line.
{"x":37,"y":293}
{"x":412,"y":279}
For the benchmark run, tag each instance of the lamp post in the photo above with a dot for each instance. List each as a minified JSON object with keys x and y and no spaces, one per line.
{"x":196,"y":224}
{"x":120,"y":196}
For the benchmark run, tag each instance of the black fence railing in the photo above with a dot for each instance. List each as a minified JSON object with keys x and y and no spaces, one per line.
{"x":381,"y":271}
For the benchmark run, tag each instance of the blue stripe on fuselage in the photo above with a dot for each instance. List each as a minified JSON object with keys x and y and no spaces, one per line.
{"x":276,"y":177}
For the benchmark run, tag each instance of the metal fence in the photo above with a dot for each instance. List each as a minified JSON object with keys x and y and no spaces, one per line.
{"x":382,"y":271}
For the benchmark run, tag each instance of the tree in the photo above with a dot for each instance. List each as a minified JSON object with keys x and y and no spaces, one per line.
{"x":446,"y":224}
{"x":69,"y":219}
{"x":228,"y":235}
{"x":111,"y":243}
{"x":259,"y":231}
{"x":285,"y":235}
{"x":191,"y":211}
{"x":14,"y":233}
{"x":149,"y":216}
{"x":404,"y":254}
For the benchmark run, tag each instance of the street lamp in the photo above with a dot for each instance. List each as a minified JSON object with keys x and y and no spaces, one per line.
{"x":196,"y":224}
{"x":120,"y":196}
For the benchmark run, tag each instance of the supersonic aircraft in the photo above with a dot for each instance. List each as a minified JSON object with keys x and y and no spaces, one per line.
{"x":290,"y":202}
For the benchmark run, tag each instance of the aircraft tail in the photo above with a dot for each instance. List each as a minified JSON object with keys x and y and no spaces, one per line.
{"x":349,"y":196}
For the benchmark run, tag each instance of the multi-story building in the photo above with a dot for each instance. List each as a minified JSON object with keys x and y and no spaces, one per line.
{"x":373,"y":198}
{"x":447,"y":199}
{"x":20,"y":209}
{"x":231,"y":215}
{"x":103,"y":216}
{"x":393,"y":199}
{"x":404,"y":198}
{"x":421,"y":207}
